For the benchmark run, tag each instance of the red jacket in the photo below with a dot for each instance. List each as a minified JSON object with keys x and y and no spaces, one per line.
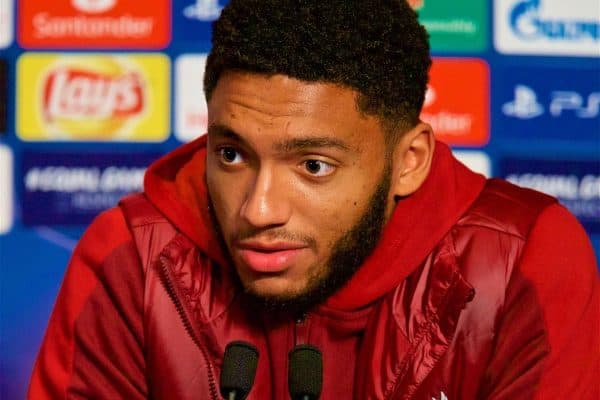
{"x":477,"y":290}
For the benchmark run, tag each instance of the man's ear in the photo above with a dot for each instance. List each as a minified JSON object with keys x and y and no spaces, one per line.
{"x":412,"y":159}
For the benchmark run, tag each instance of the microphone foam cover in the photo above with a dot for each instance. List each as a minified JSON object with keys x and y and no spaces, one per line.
{"x":305,"y":372}
{"x":239,"y":368}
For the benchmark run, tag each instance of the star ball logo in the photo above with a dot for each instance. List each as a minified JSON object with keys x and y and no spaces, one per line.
{"x":99,"y":97}
{"x":94,"y":24}
{"x":192,"y":21}
{"x":203,"y":10}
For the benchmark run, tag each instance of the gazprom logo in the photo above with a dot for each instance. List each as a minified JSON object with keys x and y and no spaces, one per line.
{"x":548,"y":27}
{"x":527,"y":23}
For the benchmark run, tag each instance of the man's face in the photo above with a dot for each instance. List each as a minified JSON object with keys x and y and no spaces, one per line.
{"x":299,"y":183}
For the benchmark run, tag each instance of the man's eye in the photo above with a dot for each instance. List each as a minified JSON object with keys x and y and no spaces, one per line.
{"x":318,"y":167}
{"x":229,"y":155}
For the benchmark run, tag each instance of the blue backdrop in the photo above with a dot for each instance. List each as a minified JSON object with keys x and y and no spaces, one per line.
{"x":90,"y":94}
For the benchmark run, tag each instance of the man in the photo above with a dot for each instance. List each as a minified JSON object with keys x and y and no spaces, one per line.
{"x":320,"y":210}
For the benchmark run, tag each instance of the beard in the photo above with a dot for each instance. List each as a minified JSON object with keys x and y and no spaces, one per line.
{"x":347,"y":255}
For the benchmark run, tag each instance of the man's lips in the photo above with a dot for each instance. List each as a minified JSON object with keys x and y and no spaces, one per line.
{"x":269,"y":257}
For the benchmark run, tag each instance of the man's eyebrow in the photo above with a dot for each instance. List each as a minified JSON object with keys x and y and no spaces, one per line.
{"x":295,"y":144}
{"x":224,"y":132}
{"x":285,"y":146}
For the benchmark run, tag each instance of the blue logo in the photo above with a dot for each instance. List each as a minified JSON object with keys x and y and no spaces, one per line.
{"x":192,"y":21}
{"x":527,"y":23}
{"x":203,"y":10}
{"x":575,"y":183}
{"x":524,"y":105}
{"x":72,"y":188}
{"x":548,"y":103}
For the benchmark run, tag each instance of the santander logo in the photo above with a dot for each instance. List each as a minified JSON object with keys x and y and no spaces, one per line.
{"x":78,"y":94}
{"x":93,"y":6}
{"x":416,"y":4}
{"x":88,"y":24}
{"x":457,"y":119}
{"x":430,"y":96}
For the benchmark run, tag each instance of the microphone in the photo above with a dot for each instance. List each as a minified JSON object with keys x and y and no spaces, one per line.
{"x":239,"y":368}
{"x":305,"y":373}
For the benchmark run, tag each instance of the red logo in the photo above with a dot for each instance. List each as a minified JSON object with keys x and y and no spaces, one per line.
{"x":457,"y":101}
{"x":76,"y":93}
{"x":94,"y":23}
{"x":416,"y":4}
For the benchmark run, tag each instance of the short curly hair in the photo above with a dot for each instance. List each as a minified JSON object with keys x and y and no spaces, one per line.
{"x":376,"y":47}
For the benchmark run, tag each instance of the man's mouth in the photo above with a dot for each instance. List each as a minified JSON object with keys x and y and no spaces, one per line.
{"x":270,"y":257}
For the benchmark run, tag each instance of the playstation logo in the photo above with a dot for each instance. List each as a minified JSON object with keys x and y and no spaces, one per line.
{"x":203,"y":10}
{"x":524,"y":105}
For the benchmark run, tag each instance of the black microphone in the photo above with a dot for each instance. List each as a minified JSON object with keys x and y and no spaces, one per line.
{"x":305,"y":373}
{"x":239,"y":368}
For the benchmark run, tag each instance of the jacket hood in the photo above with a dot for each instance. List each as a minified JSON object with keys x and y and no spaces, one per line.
{"x":175,"y":184}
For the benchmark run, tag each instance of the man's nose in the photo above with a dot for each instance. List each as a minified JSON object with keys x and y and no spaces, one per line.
{"x":267,"y":202}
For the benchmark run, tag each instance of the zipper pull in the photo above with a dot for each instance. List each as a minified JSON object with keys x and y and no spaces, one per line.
{"x":301,"y":318}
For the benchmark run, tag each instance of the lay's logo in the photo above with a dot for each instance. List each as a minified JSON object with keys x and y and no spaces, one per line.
{"x":93,"y":97}
{"x":76,"y":93}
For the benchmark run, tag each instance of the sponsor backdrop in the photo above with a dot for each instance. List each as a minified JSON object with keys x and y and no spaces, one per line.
{"x":91,"y":91}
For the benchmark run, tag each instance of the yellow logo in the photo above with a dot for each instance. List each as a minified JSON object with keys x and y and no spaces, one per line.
{"x":93,"y":97}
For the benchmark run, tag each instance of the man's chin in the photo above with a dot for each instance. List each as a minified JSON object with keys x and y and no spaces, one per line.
{"x":278,"y":297}
{"x":273,"y":288}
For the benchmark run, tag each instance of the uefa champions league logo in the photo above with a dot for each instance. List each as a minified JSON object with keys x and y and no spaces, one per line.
{"x":203,"y":10}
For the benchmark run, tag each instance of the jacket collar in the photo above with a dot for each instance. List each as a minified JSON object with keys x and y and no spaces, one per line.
{"x":418,"y":223}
